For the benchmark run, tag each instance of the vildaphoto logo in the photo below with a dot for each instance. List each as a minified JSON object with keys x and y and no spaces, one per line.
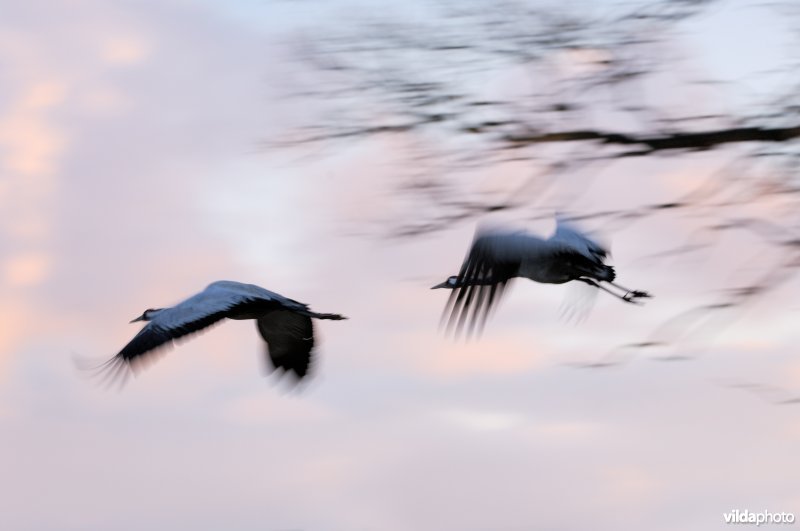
{"x":764,"y":517}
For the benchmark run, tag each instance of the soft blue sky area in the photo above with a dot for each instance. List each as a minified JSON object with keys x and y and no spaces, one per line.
{"x":751,"y":45}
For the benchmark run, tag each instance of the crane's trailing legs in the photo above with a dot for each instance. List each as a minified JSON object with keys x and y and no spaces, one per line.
{"x":631,"y":295}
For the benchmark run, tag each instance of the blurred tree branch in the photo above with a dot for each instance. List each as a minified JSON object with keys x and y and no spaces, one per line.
{"x":683,"y":140}
{"x":564,"y":91}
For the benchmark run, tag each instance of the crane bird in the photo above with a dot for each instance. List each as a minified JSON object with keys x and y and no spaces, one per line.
{"x":284,"y":324}
{"x":498,"y":255}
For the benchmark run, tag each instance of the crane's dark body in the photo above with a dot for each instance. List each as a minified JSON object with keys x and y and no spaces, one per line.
{"x":284,"y":324}
{"x":498,"y":256}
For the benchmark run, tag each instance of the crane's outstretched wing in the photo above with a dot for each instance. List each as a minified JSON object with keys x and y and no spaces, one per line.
{"x":290,"y":340}
{"x":200,"y":311}
{"x":480,"y":283}
{"x":569,"y":235}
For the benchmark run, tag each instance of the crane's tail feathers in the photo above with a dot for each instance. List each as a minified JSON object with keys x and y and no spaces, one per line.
{"x":590,"y":268}
{"x":609,"y":273}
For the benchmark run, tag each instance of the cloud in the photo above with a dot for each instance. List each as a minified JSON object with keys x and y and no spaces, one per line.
{"x":445,"y":358}
{"x":26,"y":269}
{"x":125,"y":51}
{"x":481,"y":420}
{"x":267,"y":408}
{"x":19,"y":323}
{"x":30,"y":141}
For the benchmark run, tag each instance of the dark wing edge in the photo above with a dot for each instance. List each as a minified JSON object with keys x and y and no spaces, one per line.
{"x":290,"y":341}
{"x":146,"y":347}
{"x":482,"y":281}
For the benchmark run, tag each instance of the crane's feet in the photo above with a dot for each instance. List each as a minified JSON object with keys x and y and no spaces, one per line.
{"x":633,"y":296}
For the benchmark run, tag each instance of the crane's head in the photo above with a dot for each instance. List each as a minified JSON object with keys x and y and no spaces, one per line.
{"x":450,"y":283}
{"x":148,"y":314}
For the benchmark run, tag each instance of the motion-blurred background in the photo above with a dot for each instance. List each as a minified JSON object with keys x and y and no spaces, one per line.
{"x":341,"y":153}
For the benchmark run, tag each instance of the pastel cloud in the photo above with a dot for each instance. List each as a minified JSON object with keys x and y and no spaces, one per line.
{"x":443,"y":357}
{"x":26,"y":269}
{"x":30,"y":143}
{"x":143,"y":190}
{"x":119,"y":50}
{"x":481,"y":420}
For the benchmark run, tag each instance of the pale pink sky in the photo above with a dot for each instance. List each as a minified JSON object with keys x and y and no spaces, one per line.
{"x":130,"y":178}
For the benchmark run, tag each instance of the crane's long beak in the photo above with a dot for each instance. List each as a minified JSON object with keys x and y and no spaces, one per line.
{"x":140,"y":318}
{"x":442,"y":285}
